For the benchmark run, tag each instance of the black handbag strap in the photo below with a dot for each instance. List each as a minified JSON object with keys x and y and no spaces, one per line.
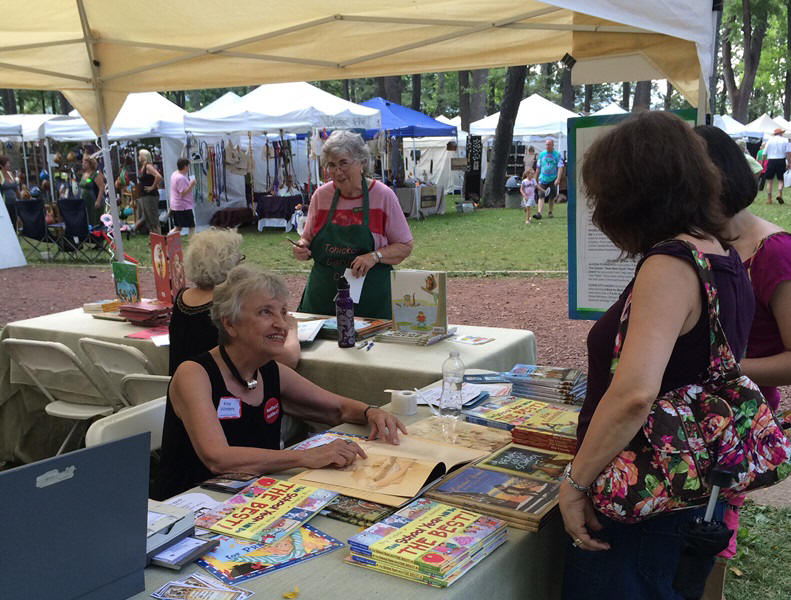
{"x":722,"y":363}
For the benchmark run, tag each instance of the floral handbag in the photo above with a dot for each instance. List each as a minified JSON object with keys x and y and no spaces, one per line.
{"x":725,"y":422}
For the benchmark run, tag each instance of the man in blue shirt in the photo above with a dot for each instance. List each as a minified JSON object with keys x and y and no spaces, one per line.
{"x":550,"y":170}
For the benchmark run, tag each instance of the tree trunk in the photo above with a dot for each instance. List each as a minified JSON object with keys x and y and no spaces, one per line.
{"x":440,"y":93}
{"x":546,"y":78}
{"x":478,"y":94}
{"x":787,"y":99}
{"x":464,"y":99}
{"x":64,"y":105}
{"x":588,"y":98}
{"x":494,"y":193}
{"x":416,"y":92}
{"x":43,"y":97}
{"x":9,"y":102}
{"x":753,"y":41}
{"x":393,"y":89}
{"x":668,"y":95}
{"x":642,"y":96}
{"x":381,"y":90}
{"x":346,"y":92}
{"x":627,"y":89}
{"x":566,"y":89}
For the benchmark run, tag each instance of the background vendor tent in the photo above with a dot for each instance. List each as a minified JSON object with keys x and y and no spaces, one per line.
{"x":730,"y":126}
{"x":613,"y":108}
{"x":763,"y":124}
{"x":401,"y":121}
{"x":219,"y":106}
{"x":536,"y":120}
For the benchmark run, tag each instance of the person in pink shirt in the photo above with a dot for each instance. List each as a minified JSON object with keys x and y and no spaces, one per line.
{"x":181,"y":201}
{"x":356,"y":222}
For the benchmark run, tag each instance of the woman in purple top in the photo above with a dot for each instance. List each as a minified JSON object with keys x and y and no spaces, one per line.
{"x":649,"y":180}
{"x":765,"y":250}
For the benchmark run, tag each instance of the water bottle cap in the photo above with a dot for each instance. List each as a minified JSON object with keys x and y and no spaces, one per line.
{"x":454,"y":353}
{"x":343,"y":284}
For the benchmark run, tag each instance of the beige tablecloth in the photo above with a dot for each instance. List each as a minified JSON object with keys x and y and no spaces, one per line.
{"x":27,"y":433}
{"x":528,"y":566}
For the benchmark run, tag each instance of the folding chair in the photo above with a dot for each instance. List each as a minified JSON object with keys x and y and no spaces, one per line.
{"x":35,"y":232}
{"x":149,"y":416}
{"x":140,"y":389}
{"x":47,"y":364}
{"x":78,"y":242}
{"x":112,"y":362}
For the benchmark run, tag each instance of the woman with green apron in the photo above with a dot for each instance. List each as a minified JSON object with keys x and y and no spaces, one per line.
{"x":362,"y":228}
{"x":92,"y":189}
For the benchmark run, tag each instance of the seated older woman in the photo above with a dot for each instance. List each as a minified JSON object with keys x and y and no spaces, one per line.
{"x":225,"y":406}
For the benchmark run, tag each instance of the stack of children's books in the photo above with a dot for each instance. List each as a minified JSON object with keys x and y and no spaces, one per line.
{"x":148,"y":313}
{"x":551,"y":427}
{"x":101,"y":306}
{"x":428,"y":542}
{"x":502,"y":412}
{"x":356,"y":510}
{"x":555,"y":384}
{"x":518,"y":484}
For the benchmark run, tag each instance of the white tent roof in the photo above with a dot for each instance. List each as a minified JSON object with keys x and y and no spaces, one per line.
{"x":782,"y":122}
{"x":613,"y":108}
{"x":96,"y":55}
{"x":29,"y":124}
{"x":763,"y":124}
{"x":220,"y":106}
{"x":456,"y":121}
{"x":146,"y":114}
{"x":729,"y":125}
{"x":296,"y":106}
{"x":536,"y":116}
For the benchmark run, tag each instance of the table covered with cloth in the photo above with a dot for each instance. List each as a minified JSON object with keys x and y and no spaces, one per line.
{"x":28,"y":433}
{"x":528,"y":566}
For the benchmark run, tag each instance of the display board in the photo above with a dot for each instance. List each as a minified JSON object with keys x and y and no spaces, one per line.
{"x":597,"y":271}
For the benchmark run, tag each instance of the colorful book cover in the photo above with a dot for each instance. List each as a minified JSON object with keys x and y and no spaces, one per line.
{"x":178,"y":280}
{"x":159,"y":262}
{"x":427,"y":536}
{"x":558,"y":377}
{"x":554,"y":420}
{"x":503,"y":412}
{"x":127,"y":283}
{"x":266,"y":510}
{"x":419,"y":300}
{"x":498,"y":492}
{"x":516,"y":459}
{"x":355,"y":510}
{"x":235,"y":560}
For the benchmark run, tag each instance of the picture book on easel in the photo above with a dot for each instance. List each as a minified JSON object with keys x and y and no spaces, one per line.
{"x":168,"y":263}
{"x":127,"y":284}
{"x":419,"y":300}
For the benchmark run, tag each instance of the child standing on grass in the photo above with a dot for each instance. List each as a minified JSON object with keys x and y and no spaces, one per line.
{"x":528,"y":191}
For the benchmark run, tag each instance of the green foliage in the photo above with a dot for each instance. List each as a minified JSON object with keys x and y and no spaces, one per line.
{"x":759,"y":569}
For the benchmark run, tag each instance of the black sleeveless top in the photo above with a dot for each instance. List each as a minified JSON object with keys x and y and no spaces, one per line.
{"x":257,"y":427}
{"x":146,"y":180}
{"x":191,"y":331}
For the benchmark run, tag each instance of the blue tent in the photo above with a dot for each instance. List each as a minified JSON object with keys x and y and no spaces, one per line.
{"x":404,"y":122}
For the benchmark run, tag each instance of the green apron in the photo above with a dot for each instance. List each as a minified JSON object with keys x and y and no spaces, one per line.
{"x":334,"y":248}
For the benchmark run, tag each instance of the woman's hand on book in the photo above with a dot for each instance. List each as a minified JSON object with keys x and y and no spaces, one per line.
{"x":384,"y":425}
{"x":339,"y":453}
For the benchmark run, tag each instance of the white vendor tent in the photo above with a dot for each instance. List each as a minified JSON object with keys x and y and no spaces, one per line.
{"x":294,"y":107}
{"x":97,"y":52}
{"x":220,"y":106}
{"x":730,"y":126}
{"x":782,"y":122}
{"x":29,"y":124}
{"x":613,"y":108}
{"x":537,"y":118}
{"x":763,"y":124}
{"x":435,"y":156}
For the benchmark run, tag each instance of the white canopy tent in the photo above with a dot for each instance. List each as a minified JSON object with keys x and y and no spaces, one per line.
{"x":763,"y":124}
{"x":220,"y":106}
{"x":782,"y":122}
{"x":613,"y":108}
{"x":435,"y":156}
{"x":96,"y":55}
{"x":29,"y":125}
{"x":730,"y":126}
{"x":292,"y":107}
{"x":537,"y":119}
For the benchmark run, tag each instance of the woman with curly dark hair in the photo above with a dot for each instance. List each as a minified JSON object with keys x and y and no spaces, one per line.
{"x":653,"y":191}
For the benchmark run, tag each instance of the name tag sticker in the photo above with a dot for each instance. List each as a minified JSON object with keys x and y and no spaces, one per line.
{"x":357,"y":209}
{"x":229,"y":408}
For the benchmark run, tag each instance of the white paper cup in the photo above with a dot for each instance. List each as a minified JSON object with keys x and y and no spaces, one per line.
{"x":403,"y":402}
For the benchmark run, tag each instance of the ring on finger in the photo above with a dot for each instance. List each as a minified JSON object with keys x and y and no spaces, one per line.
{"x":577,"y":543}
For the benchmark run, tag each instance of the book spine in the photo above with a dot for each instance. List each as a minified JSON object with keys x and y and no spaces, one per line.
{"x":425,"y":579}
{"x":487,"y":422}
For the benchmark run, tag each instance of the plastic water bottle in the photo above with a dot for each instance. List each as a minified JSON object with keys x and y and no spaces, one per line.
{"x":452,"y":377}
{"x":344,"y":315}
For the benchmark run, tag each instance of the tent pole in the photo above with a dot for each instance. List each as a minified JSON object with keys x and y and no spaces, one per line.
{"x":108,"y":176}
{"x":24,"y":159}
{"x":702,"y":100}
{"x":51,"y":172}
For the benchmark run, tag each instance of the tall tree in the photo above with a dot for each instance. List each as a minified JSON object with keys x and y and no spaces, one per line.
{"x":440,"y":94}
{"x":566,"y":89}
{"x":746,"y":27}
{"x":393,"y":88}
{"x":546,"y":78}
{"x":586,"y":106}
{"x":642,"y":96}
{"x":626,"y":91}
{"x":478,"y":94}
{"x":668,"y":94}
{"x":416,"y":83}
{"x":494,"y":193}
{"x":9,"y":102}
{"x":64,"y":106}
{"x":464,"y":99}
{"x":347,"y":94}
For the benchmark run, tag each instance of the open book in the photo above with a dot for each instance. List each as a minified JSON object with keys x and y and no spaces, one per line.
{"x":390,"y":474}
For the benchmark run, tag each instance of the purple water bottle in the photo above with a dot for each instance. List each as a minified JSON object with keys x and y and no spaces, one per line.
{"x":344,"y":313}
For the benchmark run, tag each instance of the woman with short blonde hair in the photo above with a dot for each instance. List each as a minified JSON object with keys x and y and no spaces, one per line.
{"x":149,"y":179}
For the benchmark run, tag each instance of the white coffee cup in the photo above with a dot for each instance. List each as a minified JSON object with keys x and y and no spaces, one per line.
{"x":403,"y":402}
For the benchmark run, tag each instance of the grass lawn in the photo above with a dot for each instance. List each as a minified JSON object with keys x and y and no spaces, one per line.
{"x":493,"y":239}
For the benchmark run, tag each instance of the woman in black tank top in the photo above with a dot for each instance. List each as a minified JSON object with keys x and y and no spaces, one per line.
{"x":224,"y":407}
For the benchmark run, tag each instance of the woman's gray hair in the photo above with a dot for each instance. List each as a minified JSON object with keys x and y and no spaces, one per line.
{"x":146,"y":156}
{"x":342,"y":141}
{"x":242,"y":281}
{"x":210,"y":255}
